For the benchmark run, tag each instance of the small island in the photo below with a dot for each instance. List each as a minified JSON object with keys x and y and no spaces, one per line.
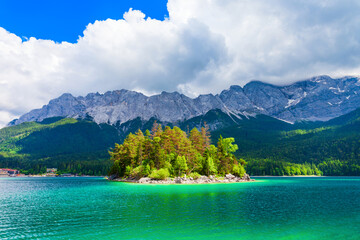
{"x":170,"y":155}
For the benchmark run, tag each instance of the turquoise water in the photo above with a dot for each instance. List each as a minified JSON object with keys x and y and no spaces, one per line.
{"x":93,"y":208}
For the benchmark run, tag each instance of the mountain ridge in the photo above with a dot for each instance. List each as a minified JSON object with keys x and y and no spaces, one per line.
{"x":316,"y":99}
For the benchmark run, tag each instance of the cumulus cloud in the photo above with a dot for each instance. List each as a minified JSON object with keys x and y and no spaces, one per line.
{"x":204,"y":46}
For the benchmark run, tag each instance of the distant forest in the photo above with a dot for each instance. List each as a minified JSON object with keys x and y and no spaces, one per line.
{"x":266,"y":146}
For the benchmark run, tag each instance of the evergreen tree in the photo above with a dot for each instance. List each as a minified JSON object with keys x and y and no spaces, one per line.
{"x":172,"y":152}
{"x":197,"y":140}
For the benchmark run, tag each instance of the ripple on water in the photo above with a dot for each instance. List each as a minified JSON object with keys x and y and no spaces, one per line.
{"x":271,"y":208}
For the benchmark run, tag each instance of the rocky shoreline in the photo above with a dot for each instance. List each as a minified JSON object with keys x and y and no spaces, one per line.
{"x":229,"y":178}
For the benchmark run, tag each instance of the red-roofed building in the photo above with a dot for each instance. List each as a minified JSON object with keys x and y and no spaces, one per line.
{"x":4,"y":172}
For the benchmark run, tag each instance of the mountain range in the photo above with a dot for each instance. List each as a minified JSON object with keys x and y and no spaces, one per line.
{"x":316,"y":99}
{"x":316,"y":121}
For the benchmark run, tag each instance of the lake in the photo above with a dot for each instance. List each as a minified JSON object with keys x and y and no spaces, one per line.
{"x":94,"y":208}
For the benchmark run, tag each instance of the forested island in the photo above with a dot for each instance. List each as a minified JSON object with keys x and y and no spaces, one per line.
{"x":171,"y":155}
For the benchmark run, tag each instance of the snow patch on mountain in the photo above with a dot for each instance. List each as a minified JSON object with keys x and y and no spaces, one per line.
{"x":319,"y":98}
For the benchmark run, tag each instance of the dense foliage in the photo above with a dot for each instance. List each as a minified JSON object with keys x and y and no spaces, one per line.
{"x":72,"y":146}
{"x":171,"y":152}
{"x":333,"y":147}
{"x":268,"y":145}
{"x":82,"y":164}
{"x":260,"y":167}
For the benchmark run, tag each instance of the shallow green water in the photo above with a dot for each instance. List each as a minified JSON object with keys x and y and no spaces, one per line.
{"x":93,"y":208}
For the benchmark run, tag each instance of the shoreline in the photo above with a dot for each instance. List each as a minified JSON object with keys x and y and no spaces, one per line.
{"x":229,"y":178}
{"x":293,"y":176}
{"x":40,"y":176}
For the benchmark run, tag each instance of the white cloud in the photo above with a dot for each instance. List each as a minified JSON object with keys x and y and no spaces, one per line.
{"x":204,"y":46}
{"x":5,"y":117}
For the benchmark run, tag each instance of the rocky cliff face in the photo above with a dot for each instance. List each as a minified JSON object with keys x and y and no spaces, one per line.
{"x":319,"y":98}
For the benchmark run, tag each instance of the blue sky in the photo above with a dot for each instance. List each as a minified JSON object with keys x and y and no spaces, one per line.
{"x":49,"y":47}
{"x":65,"y":20}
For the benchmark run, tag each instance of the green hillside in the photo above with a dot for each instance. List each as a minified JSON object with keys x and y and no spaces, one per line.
{"x":333,"y":146}
{"x":10,"y":136}
{"x":270,"y":146}
{"x":68,"y":144}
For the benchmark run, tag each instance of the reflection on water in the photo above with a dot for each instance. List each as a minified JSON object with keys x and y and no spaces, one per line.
{"x":93,"y":208}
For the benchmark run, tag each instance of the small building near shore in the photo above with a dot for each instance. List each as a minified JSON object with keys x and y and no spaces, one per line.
{"x":5,"y":172}
{"x":51,"y":170}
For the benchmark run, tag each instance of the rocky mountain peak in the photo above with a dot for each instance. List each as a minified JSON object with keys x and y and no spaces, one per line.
{"x":318,"y":98}
{"x":321,"y":78}
{"x":236,"y":88}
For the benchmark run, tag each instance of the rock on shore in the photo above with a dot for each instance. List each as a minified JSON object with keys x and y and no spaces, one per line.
{"x":229,"y":178}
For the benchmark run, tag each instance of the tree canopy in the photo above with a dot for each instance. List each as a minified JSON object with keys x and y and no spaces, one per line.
{"x":167,"y":152}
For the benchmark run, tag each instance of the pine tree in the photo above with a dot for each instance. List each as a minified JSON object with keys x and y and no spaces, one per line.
{"x":205,"y":136}
{"x":197,"y":140}
{"x":171,"y":151}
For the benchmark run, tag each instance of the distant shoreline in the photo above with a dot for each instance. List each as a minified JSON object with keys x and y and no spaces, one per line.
{"x":40,"y":176}
{"x":295,"y":176}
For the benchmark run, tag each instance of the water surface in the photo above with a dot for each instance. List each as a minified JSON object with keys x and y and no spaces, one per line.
{"x":93,"y":208}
